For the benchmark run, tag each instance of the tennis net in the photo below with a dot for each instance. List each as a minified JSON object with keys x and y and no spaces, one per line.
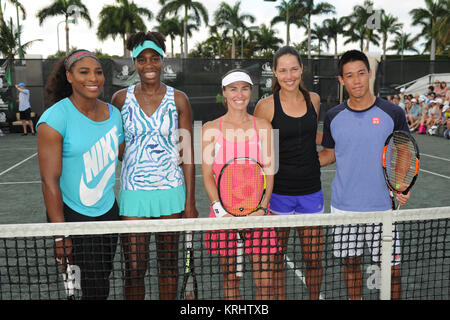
{"x":370,"y":255}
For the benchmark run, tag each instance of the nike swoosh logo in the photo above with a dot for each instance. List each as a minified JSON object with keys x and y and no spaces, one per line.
{"x":90,"y":196}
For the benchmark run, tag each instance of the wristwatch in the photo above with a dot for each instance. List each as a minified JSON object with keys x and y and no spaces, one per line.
{"x":266,"y":212}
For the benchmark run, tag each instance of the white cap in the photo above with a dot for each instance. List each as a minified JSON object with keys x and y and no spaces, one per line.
{"x":413,"y":100}
{"x":445,"y":108}
{"x":236,"y":76}
{"x":402,"y":90}
{"x":439,"y":100}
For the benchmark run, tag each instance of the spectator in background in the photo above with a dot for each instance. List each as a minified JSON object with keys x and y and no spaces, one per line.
{"x":437,"y":87}
{"x":402,"y":98}
{"x":407,"y":106}
{"x":443,"y":89}
{"x":396,"y":100}
{"x":446,"y":109}
{"x":430,"y":96}
{"x":433,"y":117}
{"x":420,"y":124}
{"x":25,"y":108}
{"x":413,"y":114}
{"x":446,"y":112}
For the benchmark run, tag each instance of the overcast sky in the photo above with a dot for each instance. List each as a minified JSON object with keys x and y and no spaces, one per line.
{"x":81,"y":36}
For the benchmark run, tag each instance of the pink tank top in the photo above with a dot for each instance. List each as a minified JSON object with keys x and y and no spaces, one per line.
{"x":226,"y":150}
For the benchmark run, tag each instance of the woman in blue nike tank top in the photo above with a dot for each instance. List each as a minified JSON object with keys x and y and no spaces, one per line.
{"x":294,"y":112}
{"x":156,"y":180}
{"x":79,"y":141}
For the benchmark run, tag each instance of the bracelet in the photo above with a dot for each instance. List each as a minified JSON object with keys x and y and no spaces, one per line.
{"x":266,"y":212}
{"x":60,"y":238}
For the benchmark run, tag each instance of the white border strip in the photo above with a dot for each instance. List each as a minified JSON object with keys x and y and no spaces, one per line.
{"x":179,"y":225}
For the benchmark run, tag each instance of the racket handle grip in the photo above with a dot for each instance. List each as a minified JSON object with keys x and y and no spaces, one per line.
{"x":218,"y":209}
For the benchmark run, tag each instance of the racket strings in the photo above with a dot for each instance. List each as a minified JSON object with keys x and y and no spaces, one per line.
{"x":241,"y":187}
{"x":401,"y":162}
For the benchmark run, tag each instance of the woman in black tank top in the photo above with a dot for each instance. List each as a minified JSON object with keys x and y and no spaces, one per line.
{"x":294,"y":111}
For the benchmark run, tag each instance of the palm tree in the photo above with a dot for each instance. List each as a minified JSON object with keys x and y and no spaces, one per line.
{"x":9,"y":40}
{"x":230,"y":17}
{"x":358,"y":33}
{"x":289,"y":12}
{"x":403,"y":43}
{"x":122,"y":19}
{"x":63,"y":7}
{"x":358,"y":21}
{"x":313,"y":9}
{"x":170,"y":27}
{"x":251,"y":32}
{"x":18,"y":6}
{"x":173,"y":6}
{"x":218,"y":39}
{"x":443,"y":36}
{"x":388,"y":25}
{"x":192,"y":25}
{"x":319,"y":33}
{"x":334,"y":27}
{"x":266,"y":41}
{"x":428,"y":18}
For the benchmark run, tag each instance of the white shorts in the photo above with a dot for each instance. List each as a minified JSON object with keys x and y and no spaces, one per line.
{"x":349,"y":240}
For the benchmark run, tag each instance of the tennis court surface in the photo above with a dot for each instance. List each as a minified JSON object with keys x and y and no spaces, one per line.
{"x":28,"y":269}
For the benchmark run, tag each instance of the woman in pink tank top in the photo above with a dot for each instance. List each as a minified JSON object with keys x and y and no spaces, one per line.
{"x":238,"y":134}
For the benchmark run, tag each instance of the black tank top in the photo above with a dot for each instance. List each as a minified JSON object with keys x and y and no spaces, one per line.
{"x":298,"y":163}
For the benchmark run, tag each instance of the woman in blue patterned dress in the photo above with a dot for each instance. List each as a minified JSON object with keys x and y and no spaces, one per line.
{"x":157,"y":181}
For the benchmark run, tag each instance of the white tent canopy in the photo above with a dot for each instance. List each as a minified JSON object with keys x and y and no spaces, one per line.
{"x":421,"y":85}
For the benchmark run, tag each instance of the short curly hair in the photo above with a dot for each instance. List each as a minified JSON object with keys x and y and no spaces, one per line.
{"x":139,"y":37}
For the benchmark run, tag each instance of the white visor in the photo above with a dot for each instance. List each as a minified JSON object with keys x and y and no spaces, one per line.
{"x":236,"y":76}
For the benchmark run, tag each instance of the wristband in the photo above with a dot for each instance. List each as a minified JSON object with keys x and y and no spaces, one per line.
{"x":218,"y":209}
{"x":60,"y":238}
{"x":266,"y":212}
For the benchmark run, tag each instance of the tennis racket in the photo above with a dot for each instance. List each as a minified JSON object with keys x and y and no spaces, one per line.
{"x":71,"y":283}
{"x":401,"y":163}
{"x":241,"y":187}
{"x":189,"y":289}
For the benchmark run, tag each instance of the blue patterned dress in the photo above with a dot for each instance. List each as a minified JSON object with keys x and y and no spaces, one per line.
{"x":152,"y":181}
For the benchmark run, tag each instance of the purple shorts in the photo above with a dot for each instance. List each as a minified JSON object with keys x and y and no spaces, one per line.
{"x":287,"y":205}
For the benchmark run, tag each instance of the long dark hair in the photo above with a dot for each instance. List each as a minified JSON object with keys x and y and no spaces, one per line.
{"x":278,"y":54}
{"x":57,"y":87}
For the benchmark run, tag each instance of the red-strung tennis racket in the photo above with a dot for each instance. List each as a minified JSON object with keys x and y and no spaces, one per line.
{"x":401,"y":162}
{"x":241,"y":186}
